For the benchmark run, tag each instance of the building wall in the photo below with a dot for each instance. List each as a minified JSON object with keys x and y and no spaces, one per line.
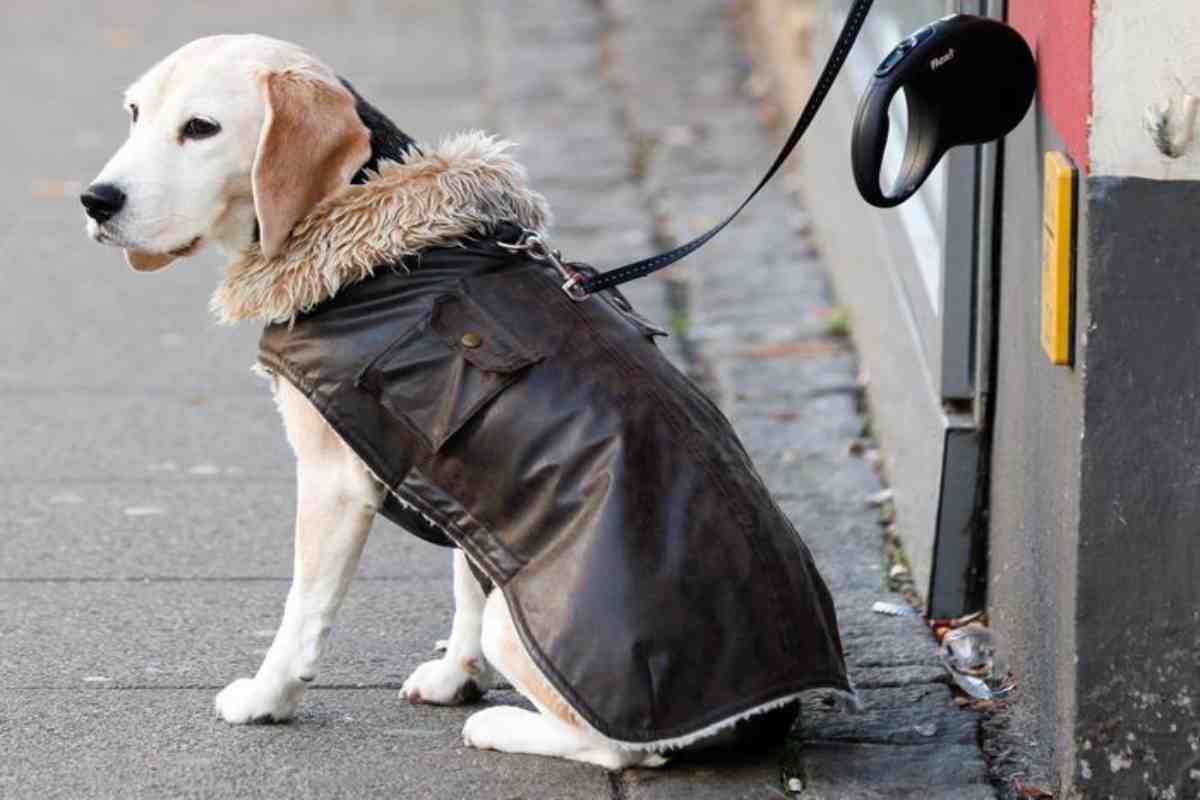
{"x":1137,"y":614}
{"x":1037,"y":433}
{"x":1060,"y":34}
{"x":1146,"y":63}
{"x":1038,"y":423}
{"x":1094,"y":546}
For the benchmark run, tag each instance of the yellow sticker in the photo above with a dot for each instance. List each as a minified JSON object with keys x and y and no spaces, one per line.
{"x":1057,"y":241}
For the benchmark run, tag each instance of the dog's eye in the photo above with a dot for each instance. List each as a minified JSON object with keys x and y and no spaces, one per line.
{"x":133,"y":112}
{"x":196,"y":128}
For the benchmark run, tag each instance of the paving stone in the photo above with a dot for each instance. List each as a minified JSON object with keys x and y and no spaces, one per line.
{"x":164,"y":634}
{"x":730,"y":779}
{"x":851,"y":771}
{"x":903,"y":675}
{"x":65,"y":436}
{"x":921,"y":714}
{"x":343,"y":744}
{"x":194,"y":521}
{"x":170,"y":341}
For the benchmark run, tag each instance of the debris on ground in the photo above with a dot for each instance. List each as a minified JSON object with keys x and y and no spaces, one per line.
{"x":839,"y":323}
{"x":883,"y":502}
{"x":1026,"y":791}
{"x":893,"y":609}
{"x":878,"y":499}
{"x":972,"y":657}
{"x":899,"y":580}
{"x":859,"y":446}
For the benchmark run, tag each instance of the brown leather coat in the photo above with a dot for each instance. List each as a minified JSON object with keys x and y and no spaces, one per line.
{"x":649,"y":572}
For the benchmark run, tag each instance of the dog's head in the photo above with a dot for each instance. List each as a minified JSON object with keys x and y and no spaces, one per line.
{"x":228,"y":135}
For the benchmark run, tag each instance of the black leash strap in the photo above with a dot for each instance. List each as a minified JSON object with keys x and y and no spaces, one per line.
{"x":581,"y":288}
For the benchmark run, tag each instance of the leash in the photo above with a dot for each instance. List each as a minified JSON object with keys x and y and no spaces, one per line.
{"x":579,"y":283}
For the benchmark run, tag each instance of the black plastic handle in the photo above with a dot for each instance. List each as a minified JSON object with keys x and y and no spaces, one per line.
{"x":966,"y":80}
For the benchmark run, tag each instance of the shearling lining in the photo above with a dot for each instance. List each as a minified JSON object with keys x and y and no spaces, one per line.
{"x":466,"y":186}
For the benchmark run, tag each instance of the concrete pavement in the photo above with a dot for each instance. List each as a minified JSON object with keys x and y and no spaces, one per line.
{"x":145,"y":484}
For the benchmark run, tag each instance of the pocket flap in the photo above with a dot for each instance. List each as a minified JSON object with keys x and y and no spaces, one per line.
{"x":483,"y":340}
{"x":439,"y":374}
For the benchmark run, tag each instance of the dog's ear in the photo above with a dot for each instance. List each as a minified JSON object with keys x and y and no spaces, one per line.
{"x":312,"y":143}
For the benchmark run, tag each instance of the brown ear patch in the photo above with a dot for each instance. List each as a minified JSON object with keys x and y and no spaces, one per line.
{"x":312,"y":143}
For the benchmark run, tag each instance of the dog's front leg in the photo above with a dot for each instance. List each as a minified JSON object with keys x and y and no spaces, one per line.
{"x":462,"y":674}
{"x":332,"y":522}
{"x":336,"y":502}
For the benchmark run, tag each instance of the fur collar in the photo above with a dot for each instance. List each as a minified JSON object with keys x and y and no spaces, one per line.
{"x":468,"y":184}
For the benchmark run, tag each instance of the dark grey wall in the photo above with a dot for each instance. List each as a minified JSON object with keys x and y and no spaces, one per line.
{"x":1138,"y":607}
{"x":1035,"y":466}
{"x":1094,"y":573}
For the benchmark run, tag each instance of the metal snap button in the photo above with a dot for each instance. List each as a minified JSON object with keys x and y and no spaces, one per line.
{"x":471,"y":340}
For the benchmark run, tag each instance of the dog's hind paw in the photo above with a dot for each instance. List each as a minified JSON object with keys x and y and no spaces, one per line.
{"x":509,"y":729}
{"x":247,"y":702}
{"x":448,"y":682}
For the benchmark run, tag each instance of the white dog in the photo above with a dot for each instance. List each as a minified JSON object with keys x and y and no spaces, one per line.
{"x":223,"y":139}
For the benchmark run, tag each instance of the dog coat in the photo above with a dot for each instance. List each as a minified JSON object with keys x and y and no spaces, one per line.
{"x":650,"y":575}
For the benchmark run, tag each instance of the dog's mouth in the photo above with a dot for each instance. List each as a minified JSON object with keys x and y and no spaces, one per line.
{"x":141,"y":259}
{"x":187,"y":250}
{"x":147,"y":261}
{"x":102,"y":235}
{"x":98,"y":234}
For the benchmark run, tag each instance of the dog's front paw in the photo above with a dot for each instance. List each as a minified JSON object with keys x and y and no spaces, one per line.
{"x":246,"y":701}
{"x":447,"y":682}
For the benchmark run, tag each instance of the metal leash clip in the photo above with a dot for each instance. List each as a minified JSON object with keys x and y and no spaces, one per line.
{"x":534,"y":246}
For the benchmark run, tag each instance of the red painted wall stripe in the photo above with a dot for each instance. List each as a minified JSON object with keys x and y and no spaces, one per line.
{"x":1060,"y":33}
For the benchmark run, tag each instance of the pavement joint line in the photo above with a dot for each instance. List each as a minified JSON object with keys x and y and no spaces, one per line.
{"x":9,"y":483}
{"x":616,"y":786}
{"x":113,"y":391}
{"x":193,"y":579}
{"x":896,"y":684}
{"x":874,"y":663}
{"x":858,"y":741}
{"x":188,"y":687}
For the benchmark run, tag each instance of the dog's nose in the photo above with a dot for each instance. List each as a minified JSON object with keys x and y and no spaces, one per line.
{"x":102,"y":201}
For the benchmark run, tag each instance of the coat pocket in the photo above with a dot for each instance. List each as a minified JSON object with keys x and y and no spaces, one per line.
{"x":446,"y":368}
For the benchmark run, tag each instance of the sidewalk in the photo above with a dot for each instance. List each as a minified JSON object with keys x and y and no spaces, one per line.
{"x":145,"y":484}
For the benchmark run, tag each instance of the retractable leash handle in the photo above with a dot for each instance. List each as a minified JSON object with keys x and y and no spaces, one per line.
{"x":966,"y":80}
{"x":580,"y":289}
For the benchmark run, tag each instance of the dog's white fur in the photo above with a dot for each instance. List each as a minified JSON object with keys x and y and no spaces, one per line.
{"x":185,"y":193}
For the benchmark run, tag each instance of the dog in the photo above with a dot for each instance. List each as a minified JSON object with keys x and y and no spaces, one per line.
{"x":256,"y":147}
